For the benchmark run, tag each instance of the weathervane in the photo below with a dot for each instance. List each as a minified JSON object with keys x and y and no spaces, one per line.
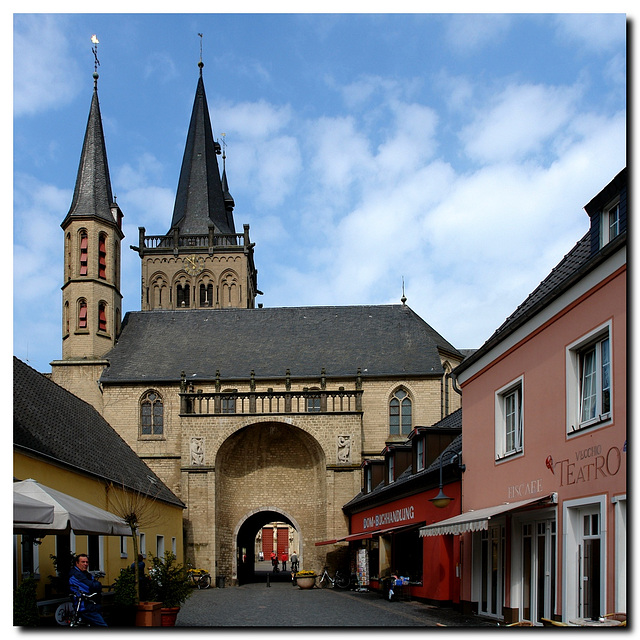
{"x":224,"y":150}
{"x":94,"y":49}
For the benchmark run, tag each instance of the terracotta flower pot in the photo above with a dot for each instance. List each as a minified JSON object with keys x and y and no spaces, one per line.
{"x":306,"y":582}
{"x":148,"y":614}
{"x":168,"y":616}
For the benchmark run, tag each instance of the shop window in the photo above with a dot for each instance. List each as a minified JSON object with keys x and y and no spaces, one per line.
{"x":589,"y":388}
{"x":102,"y":256}
{"x":400,"y":413}
{"x":509,"y":420}
{"x":151,"y":414}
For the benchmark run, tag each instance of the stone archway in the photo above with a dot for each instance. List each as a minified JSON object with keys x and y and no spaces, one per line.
{"x":267,"y":468}
{"x":245,"y":533}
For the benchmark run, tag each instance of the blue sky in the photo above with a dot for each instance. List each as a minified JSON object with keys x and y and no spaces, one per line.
{"x":454,"y":152}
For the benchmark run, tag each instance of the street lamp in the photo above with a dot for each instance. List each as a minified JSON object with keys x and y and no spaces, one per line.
{"x":442,"y":499}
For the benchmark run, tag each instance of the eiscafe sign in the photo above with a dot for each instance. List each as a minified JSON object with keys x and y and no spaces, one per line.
{"x":395,"y":516}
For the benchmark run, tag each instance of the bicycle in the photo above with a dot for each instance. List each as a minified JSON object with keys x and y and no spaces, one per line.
{"x":68,"y":614}
{"x":200,"y":578}
{"x":340,"y":580}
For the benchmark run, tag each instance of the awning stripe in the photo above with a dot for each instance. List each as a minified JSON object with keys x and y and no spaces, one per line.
{"x":478,"y":520}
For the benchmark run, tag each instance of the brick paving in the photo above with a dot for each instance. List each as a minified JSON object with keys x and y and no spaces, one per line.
{"x":283,"y":605}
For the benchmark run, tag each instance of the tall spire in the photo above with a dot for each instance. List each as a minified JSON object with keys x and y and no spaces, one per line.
{"x":92,"y":195}
{"x":200,"y":199}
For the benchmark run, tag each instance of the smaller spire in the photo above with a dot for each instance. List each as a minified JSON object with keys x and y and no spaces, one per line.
{"x":200,"y":63}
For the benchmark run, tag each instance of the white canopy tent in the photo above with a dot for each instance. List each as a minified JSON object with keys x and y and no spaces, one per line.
{"x":69,"y":513}
{"x":27,"y":510}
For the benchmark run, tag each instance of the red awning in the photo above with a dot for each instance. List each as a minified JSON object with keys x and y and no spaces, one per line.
{"x":333,"y":541}
{"x":358,"y":536}
{"x":398,"y":529}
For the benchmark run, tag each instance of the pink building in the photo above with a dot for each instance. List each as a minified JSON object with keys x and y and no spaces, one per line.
{"x":544,"y":511}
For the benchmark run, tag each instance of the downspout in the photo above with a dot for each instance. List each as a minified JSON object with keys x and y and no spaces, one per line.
{"x":454,"y":383}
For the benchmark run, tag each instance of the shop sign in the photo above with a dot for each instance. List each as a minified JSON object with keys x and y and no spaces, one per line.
{"x":524,"y":489}
{"x":403,"y":514}
{"x":592,"y":463}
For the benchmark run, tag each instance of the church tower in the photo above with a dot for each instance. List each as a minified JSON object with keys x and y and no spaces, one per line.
{"x":91,"y":298}
{"x":201,"y":263}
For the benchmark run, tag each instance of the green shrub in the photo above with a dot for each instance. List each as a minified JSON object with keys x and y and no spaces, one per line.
{"x":25,"y":604}
{"x":169,"y":581}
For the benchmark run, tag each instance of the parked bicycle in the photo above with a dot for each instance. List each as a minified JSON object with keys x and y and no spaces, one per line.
{"x":340,"y":579}
{"x":68,"y":614}
{"x":199,"y":577}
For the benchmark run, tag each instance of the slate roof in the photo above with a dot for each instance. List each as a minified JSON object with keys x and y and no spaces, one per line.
{"x":92,"y":195}
{"x":383,"y":340}
{"x":200,"y":199}
{"x":50,"y":422}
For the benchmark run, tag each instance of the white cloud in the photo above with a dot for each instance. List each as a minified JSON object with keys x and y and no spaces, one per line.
{"x":521,"y":120}
{"x":599,"y":32}
{"x":45,"y":74}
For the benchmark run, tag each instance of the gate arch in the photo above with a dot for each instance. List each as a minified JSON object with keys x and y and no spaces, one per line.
{"x":264,"y":472}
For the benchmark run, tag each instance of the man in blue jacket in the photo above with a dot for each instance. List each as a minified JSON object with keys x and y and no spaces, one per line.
{"x":81,"y":581}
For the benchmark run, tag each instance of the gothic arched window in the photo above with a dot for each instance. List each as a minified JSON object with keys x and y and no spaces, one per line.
{"x":84,"y":253}
{"x":151,"y":414}
{"x":400,"y":413}
{"x":182,"y":295}
{"x":82,"y":314}
{"x":206,"y":295}
{"x":102,"y":256}
{"x":102,"y":316}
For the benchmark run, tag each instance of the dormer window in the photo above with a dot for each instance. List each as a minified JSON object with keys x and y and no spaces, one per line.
{"x":391,"y":468}
{"x":368,"y":479}
{"x":610,"y":223}
{"x":420,"y":454}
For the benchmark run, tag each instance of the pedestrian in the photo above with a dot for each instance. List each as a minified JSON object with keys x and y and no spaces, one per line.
{"x":274,"y":561}
{"x":283,"y":558}
{"x":140,"y":566}
{"x":82,"y":582}
{"x":294,"y":562}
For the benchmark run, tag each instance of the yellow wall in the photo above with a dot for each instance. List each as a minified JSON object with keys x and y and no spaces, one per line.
{"x":167,"y":521}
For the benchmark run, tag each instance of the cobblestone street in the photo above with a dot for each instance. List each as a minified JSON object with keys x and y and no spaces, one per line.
{"x":283,"y":605}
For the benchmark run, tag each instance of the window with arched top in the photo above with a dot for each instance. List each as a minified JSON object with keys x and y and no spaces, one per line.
{"x":102,"y":316}
{"x":151,"y":414}
{"x":182,"y":295}
{"x":84,"y":253}
{"x":400,"y":413}
{"x":82,"y":314}
{"x":206,"y":294}
{"x":102,"y":256}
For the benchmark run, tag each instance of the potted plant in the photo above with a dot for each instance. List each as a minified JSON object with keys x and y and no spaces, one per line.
{"x":306,"y":579}
{"x":169,"y":584}
{"x":124,"y":598}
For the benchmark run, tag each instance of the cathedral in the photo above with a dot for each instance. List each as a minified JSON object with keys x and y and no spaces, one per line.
{"x":249,"y":415}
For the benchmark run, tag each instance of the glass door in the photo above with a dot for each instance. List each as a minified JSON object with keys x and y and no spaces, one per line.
{"x":538,"y":569}
{"x":492,"y":573}
{"x":589,"y":565}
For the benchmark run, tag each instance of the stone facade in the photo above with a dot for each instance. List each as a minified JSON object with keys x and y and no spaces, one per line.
{"x":302,"y":465}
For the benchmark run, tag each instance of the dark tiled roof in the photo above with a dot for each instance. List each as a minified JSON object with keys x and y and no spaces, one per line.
{"x":200,"y":200}
{"x":452,"y":421}
{"x":92,"y":195}
{"x":53,"y":423}
{"x":383,"y":340}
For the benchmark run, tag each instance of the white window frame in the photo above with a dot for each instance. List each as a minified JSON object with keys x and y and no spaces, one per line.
{"x":606,"y":235}
{"x":420,"y":457}
{"x":160,"y":546}
{"x":574,"y":384}
{"x":174,"y":546}
{"x":123,"y":547}
{"x":143,"y":544}
{"x":391,"y":468}
{"x":502,"y":396}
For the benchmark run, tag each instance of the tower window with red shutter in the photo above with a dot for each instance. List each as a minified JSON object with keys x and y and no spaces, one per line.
{"x":84,"y":254}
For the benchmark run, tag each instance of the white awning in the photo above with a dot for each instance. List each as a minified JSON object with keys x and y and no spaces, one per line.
{"x":27,"y":510}
{"x":478,"y":520}
{"x":69,"y":513}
